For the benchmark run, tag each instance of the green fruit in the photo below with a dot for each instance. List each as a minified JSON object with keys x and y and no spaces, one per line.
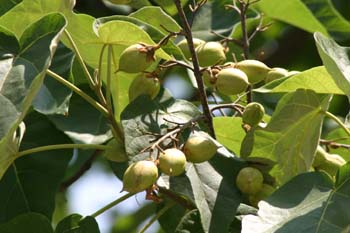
{"x":255,"y":70}
{"x":172,"y":162}
{"x":262,"y":194}
{"x":210,"y":77}
{"x":183,"y":45}
{"x":136,"y":58}
{"x":199,"y":149}
{"x":249,"y":180}
{"x":143,"y":85}
{"x":210,"y":53}
{"x":276,"y":73}
{"x":329,"y":163}
{"x":253,"y":114}
{"x":140,"y":176}
{"x":231,"y":81}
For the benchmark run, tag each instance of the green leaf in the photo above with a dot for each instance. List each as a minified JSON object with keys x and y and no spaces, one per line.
{"x":336,"y":60}
{"x":22,"y":73}
{"x":229,"y":132}
{"x":27,"y":223}
{"x":190,"y":223}
{"x":308,"y":203}
{"x":144,"y":116}
{"x":31,"y":183}
{"x":169,"y":6}
{"x":291,"y":137}
{"x":53,"y":97}
{"x":156,"y":17}
{"x":316,"y":79}
{"x":84,"y":124}
{"x":75,"y":223}
{"x":6,"y":5}
{"x":309,"y":15}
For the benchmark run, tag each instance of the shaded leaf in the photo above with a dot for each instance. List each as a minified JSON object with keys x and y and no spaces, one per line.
{"x":191,"y":222}
{"x":336,"y":60}
{"x":291,"y":137}
{"x":316,"y":79}
{"x":31,"y":183}
{"x":6,"y":5}
{"x":25,"y":223}
{"x":75,"y":223}
{"x":308,"y":203}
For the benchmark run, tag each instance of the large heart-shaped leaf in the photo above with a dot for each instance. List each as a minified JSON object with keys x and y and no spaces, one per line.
{"x":31,"y":183}
{"x":316,"y":79}
{"x":291,"y":137}
{"x":308,"y":203}
{"x":75,"y":223}
{"x":23,"y":66}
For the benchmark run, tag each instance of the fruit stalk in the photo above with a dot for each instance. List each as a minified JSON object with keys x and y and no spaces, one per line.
{"x":196,"y":68}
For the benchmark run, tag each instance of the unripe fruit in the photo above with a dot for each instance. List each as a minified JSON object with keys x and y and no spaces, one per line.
{"x":249,"y":180}
{"x":253,"y":114}
{"x":262,"y":194}
{"x":210,"y":77}
{"x":329,"y":163}
{"x":136,"y":58}
{"x":199,"y":149}
{"x":255,"y":70}
{"x":275,"y":74}
{"x":183,"y":45}
{"x":140,"y":176}
{"x":172,"y":162}
{"x":231,"y":81}
{"x":210,"y":53}
{"x":143,"y":85}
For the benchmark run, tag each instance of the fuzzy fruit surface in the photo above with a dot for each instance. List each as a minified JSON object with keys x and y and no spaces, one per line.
{"x":143,"y":85}
{"x":253,"y":114}
{"x":183,"y":45}
{"x":249,"y":180}
{"x":135,"y":59}
{"x":210,"y":53}
{"x":329,"y":163}
{"x":255,"y":70}
{"x":231,"y":81}
{"x":199,"y":149}
{"x":140,"y":176}
{"x":262,"y":194}
{"x":276,"y":73}
{"x":172,"y":162}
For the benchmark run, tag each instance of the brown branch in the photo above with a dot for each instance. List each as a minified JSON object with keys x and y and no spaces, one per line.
{"x":334,"y":145}
{"x":196,"y":68}
{"x":84,"y":168}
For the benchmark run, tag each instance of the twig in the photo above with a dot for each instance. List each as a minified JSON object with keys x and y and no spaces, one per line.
{"x":84,"y":168}
{"x":196,"y":68}
{"x":238,"y":108}
{"x":334,"y":145}
{"x":216,"y":102}
{"x":168,"y":64}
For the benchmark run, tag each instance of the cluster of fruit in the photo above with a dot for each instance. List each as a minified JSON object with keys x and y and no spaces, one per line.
{"x":230,"y":78}
{"x":143,"y":174}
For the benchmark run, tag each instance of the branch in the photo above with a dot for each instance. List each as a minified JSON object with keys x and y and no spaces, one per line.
{"x":196,"y":68}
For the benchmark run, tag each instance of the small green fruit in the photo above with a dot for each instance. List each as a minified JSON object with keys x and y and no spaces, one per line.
{"x":253,"y":114}
{"x":136,"y":58}
{"x":140,"y":176}
{"x":262,"y":194}
{"x":172,"y":162}
{"x":255,"y":70}
{"x":210,"y":76}
{"x":249,"y":180}
{"x":276,"y":73}
{"x":329,"y":163}
{"x":231,"y":81}
{"x":143,"y":85}
{"x":199,"y":149}
{"x":210,"y":53}
{"x":183,"y":45}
